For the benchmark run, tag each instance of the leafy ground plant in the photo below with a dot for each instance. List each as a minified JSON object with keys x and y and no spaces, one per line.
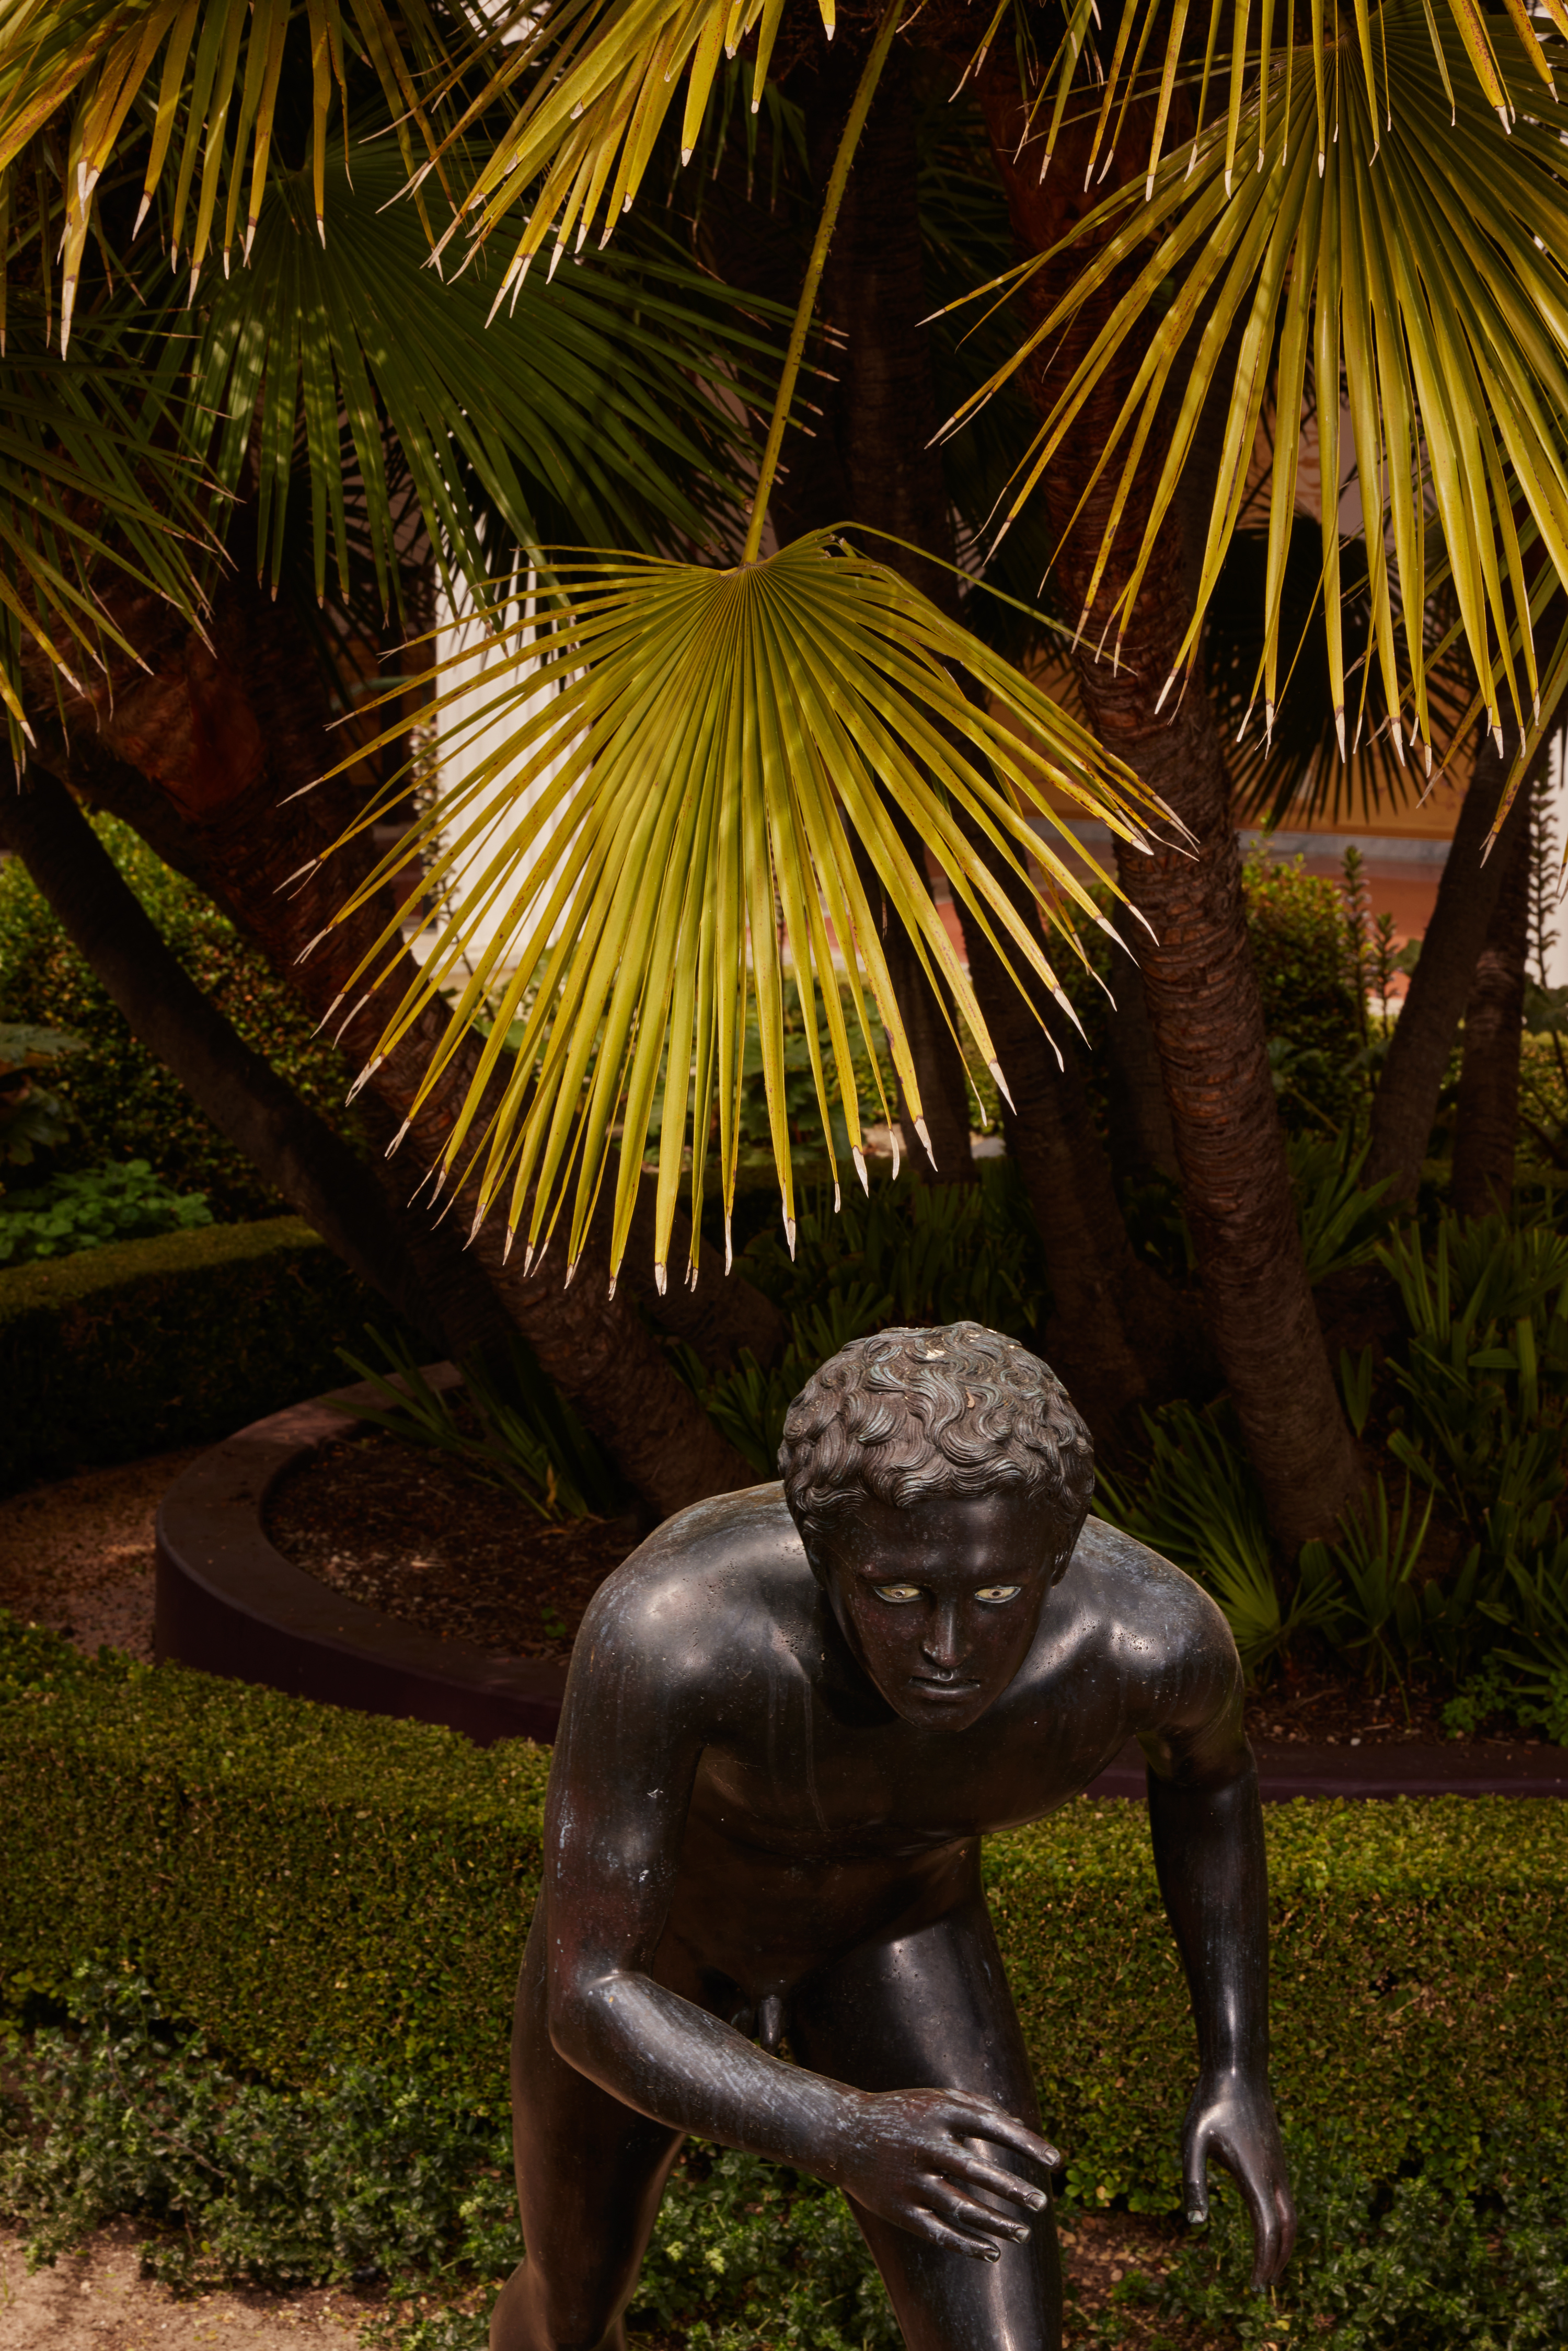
{"x":70,"y":1213}
{"x":509,"y":1426}
{"x":907,"y":1253}
{"x":1421,"y":2265}
{"x":375,"y":2180}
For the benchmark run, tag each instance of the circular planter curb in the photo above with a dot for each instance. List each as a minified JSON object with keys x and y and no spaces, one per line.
{"x":228,"y":1602}
{"x":1287,"y":1769}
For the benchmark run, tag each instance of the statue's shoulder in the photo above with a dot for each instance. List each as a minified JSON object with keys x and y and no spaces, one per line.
{"x":712,"y":1576}
{"x":1136,"y":1594}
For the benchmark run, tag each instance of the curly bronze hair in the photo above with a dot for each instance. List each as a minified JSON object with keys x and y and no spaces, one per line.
{"x":954,"y":1409}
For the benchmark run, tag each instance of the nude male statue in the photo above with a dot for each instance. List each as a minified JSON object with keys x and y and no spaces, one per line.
{"x":791,"y":1718}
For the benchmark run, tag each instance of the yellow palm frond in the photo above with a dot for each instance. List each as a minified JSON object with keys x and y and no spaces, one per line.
{"x":598,"y":80}
{"x":691,"y":755}
{"x":1418,"y":258}
{"x":201,"y":78}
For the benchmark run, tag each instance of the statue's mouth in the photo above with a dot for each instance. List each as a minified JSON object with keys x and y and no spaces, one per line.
{"x":930,"y":1686}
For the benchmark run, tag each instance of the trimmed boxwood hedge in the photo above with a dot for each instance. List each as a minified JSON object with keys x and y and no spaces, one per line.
{"x":123,"y":1350}
{"x":305,"y":1882}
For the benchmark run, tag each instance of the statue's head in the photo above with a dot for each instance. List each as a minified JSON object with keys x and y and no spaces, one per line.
{"x":939,"y":1480}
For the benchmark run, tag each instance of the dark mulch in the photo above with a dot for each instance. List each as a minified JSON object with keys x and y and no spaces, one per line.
{"x":409,"y":1531}
{"x":1101,"y":2253}
{"x":1319,"y":1708}
{"x":406,"y":1530}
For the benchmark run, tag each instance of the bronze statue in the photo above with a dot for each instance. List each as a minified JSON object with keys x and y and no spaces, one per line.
{"x":791,"y":1716}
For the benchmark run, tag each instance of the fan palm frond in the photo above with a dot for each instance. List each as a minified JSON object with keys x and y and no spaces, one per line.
{"x":1421,"y":261}
{"x":598,"y":79}
{"x":93,"y":488}
{"x":202,"y":77}
{"x":680,"y":764}
{"x":1240,"y":46}
{"x":589,"y":391}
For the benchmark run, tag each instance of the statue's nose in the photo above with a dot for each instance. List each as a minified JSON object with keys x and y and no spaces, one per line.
{"x":940,"y":1645}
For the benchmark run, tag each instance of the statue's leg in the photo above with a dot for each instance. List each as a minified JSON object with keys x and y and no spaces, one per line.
{"x":931,"y":2009}
{"x":590,"y":2176}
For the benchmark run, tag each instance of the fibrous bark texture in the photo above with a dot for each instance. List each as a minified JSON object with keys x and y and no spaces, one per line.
{"x":221,"y":734}
{"x":1486,"y":1131}
{"x":1405,"y":1102}
{"x":1200,"y":988}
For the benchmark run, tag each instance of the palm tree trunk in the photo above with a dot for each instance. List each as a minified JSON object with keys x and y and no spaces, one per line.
{"x":1114,"y":1333}
{"x":1405,"y":1102}
{"x":295,"y":1150}
{"x":225,"y":732}
{"x":1486,"y":1134}
{"x":1200,"y":986}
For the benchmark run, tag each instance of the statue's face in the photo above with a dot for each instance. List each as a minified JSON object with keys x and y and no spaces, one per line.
{"x":940,"y":1601}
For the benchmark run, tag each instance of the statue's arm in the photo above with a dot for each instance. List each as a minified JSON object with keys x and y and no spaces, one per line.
{"x":638,"y":1714}
{"x":1207,"y":1824}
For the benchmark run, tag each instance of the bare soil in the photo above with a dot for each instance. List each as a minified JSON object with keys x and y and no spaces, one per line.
{"x":412,"y":1533}
{"x":98,"y":2301}
{"x":415,"y":1534}
{"x":76,"y":1555}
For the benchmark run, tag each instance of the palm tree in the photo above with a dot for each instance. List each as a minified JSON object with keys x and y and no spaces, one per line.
{"x":716,"y":753}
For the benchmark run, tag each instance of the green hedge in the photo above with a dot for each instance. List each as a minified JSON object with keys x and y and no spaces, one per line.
{"x":138,"y":1346}
{"x":303,"y":1883}
{"x":131,"y":1105}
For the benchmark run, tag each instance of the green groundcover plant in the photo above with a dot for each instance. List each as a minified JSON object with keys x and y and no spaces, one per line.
{"x":379,"y":2181}
{"x":126,"y":1103}
{"x":67,"y":1212}
{"x":334,"y":1906}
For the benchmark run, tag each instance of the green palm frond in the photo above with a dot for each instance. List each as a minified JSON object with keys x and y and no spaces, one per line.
{"x":587,"y":393}
{"x":1159,"y":50}
{"x":1423,"y":263}
{"x":598,"y":79}
{"x":201,"y":79}
{"x":664,"y":824}
{"x":93,"y":489}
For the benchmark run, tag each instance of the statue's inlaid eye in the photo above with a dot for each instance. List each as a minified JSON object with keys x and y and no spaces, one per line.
{"x":995,"y":1593}
{"x":898,"y":1594}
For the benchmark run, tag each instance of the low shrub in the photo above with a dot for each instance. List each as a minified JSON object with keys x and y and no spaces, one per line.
{"x":1419,"y":2263}
{"x":312,"y":1887}
{"x":70,"y":1213}
{"x":129,"y":1105}
{"x":902,"y":1253}
{"x":1296,"y":926}
{"x":375,"y":2180}
{"x":136,"y":1345}
{"x":375,"y":2177}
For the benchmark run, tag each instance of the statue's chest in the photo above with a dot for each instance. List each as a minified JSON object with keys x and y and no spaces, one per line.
{"x":849,"y":1795}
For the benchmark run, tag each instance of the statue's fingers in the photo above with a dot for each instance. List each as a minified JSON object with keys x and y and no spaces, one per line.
{"x":963,"y":2212}
{"x":1277,"y":2241}
{"x":1267,"y":2240}
{"x":977,"y":2118}
{"x":925,"y":2221}
{"x":1194,"y":2185}
{"x":963,"y":2163}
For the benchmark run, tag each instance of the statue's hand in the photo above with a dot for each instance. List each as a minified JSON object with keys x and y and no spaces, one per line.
{"x":1232,"y":2116}
{"x":919,"y":2157}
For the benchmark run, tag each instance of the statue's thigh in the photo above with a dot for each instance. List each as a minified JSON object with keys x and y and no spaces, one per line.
{"x":931,"y":2009}
{"x":591,"y":2173}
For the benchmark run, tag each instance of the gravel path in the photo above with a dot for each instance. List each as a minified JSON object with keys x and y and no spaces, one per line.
{"x":96,"y":2302}
{"x":78,"y":1555}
